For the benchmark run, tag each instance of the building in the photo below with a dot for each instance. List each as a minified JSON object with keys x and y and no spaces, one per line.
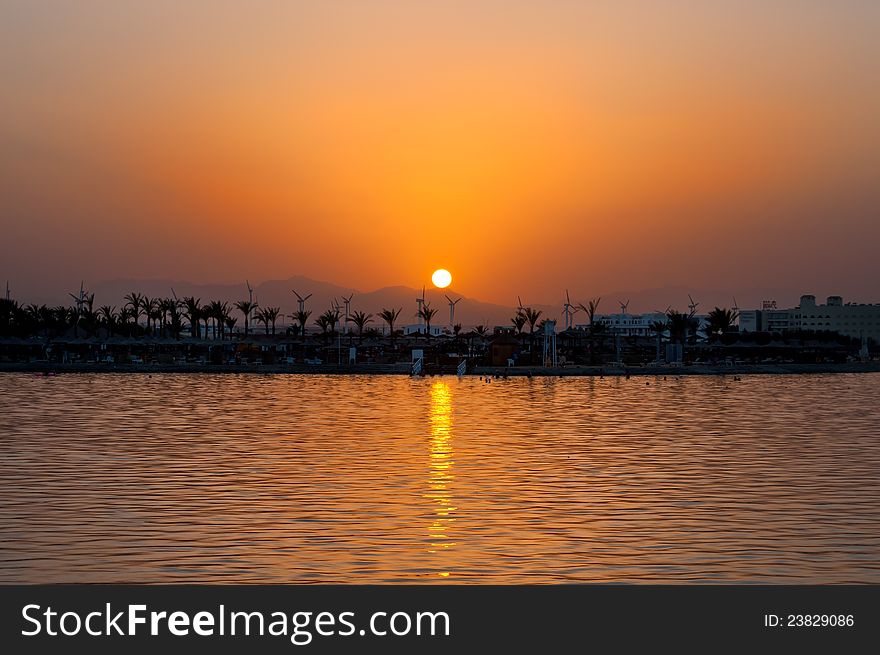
{"x":419,"y":328}
{"x":627,"y":325}
{"x":851,"y":319}
{"x":855,"y":320}
{"x":767,"y":319}
{"x":634,"y":325}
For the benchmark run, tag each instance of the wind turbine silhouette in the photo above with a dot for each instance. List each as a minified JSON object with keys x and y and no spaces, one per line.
{"x":452,"y":304}
{"x":420,"y":302}
{"x":569,"y":310}
{"x":300,"y":299}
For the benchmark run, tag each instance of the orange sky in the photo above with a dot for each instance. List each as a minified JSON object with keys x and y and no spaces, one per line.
{"x":524,"y":146}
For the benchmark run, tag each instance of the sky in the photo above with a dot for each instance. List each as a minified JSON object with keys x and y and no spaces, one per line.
{"x":526,"y":147}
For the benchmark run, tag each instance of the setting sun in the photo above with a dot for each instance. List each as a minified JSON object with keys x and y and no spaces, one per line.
{"x":441,"y":278}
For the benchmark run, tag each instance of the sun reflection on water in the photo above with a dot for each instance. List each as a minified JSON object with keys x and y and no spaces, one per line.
{"x":440,"y":473}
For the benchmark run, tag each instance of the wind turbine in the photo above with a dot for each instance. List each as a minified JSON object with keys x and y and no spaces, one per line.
{"x":569,"y":310}
{"x":7,"y":290}
{"x":79,"y":299}
{"x":692,"y":306}
{"x":420,"y":302}
{"x":347,"y":302}
{"x":452,"y":304}
{"x":623,"y":306}
{"x":300,"y":299}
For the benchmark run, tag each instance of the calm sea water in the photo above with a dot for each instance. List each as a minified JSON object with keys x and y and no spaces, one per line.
{"x":263,"y":478}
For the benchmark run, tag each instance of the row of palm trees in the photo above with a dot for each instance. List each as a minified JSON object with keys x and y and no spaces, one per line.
{"x":164,"y":317}
{"x":171,"y":317}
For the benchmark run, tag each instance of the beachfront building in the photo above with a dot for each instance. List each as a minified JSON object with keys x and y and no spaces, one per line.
{"x":627,"y":325}
{"x":419,"y":328}
{"x":633,"y":325}
{"x":858,"y":320}
{"x":767,"y":319}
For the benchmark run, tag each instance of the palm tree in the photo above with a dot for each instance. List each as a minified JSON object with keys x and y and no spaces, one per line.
{"x":590,"y":309}
{"x":124,"y":315}
{"x":193,"y":311}
{"x":262,"y":317}
{"x":427,"y":313}
{"x":154,"y":315}
{"x":145,"y":306}
{"x":32,"y":314}
{"x":134,"y":301}
{"x":107,"y":316}
{"x":302,"y":318}
{"x":246,"y":307}
{"x":323,"y":322}
{"x":677,"y":324}
{"x":174,"y":316}
{"x":390,"y":316}
{"x":333,"y":317}
{"x":230,"y":322}
{"x":167,"y":309}
{"x":272,"y":314}
{"x":224,"y":316}
{"x":360,"y":319}
{"x":218,"y":314}
{"x":719,"y":321}
{"x":206,"y":314}
{"x":532,"y":316}
{"x":481,"y":330}
{"x":519,"y":322}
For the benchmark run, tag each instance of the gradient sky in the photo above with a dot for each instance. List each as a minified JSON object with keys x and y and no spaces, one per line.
{"x":525,"y":146}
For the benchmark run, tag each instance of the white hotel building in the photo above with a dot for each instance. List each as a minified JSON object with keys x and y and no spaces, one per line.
{"x":850,"y":319}
{"x":633,"y":325}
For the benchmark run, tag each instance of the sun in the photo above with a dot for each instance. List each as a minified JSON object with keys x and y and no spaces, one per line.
{"x":441,"y":278}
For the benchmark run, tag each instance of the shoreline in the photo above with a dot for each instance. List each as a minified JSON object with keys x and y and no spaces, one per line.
{"x":405,"y":369}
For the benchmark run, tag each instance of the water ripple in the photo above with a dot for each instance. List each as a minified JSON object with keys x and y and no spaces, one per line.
{"x":262,"y":478}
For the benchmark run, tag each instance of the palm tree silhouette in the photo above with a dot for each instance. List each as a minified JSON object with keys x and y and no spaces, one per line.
{"x":324,"y":321}
{"x":590,"y":309}
{"x":531,"y":316}
{"x":719,"y":321}
{"x":360,"y":319}
{"x":107,"y":316}
{"x":272,"y":314}
{"x":427,"y":313}
{"x":262,"y":317}
{"x":246,"y":307}
{"x":390,"y":316}
{"x":193,"y":312}
{"x":134,"y":301}
{"x":677,"y":324}
{"x":302,"y":318}
{"x":148,"y":305}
